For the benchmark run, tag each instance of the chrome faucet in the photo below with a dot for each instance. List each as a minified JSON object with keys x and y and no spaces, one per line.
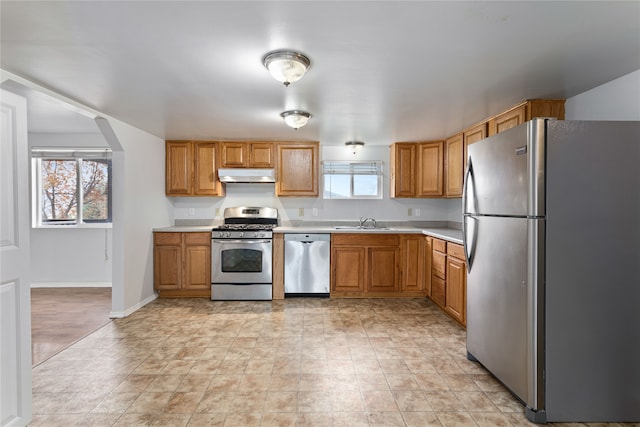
{"x":364,"y":220}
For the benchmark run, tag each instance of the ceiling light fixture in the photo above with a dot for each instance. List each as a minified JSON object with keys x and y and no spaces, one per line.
{"x":295,"y":118}
{"x":286,"y":66}
{"x":354,"y":146}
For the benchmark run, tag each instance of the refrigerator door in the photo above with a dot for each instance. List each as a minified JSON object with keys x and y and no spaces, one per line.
{"x":505,"y":173}
{"x":502,"y":332}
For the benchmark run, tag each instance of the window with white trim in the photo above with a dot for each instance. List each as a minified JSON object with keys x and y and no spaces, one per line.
{"x":71,"y":187}
{"x":352,"y":179}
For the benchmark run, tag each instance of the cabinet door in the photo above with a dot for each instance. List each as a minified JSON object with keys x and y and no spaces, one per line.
{"x":205,"y":182}
{"x":197,"y":261}
{"x":474,"y":134}
{"x":234,"y":155}
{"x":261,"y":155}
{"x":428,"y":249}
{"x":456,"y":289}
{"x":297,"y":170}
{"x":382,"y":269}
{"x":167,"y":261}
{"x":454,"y":166}
{"x":430,"y":163}
{"x":347,"y":272}
{"x":178,"y":168}
{"x":507,"y":120}
{"x":403,"y":170}
{"x":412,"y":255}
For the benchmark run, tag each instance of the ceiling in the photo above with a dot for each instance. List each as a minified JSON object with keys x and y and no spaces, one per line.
{"x":381,"y":71}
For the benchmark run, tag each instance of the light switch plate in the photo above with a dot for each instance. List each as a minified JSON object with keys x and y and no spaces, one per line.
{"x":300,"y":211}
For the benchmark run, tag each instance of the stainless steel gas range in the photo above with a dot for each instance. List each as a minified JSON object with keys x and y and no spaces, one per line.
{"x":241,"y":254}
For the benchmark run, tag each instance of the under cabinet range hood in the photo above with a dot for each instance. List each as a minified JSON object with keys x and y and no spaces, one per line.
{"x":246,"y":175}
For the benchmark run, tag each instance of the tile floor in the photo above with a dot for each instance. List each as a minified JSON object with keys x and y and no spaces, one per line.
{"x":297,"y":362}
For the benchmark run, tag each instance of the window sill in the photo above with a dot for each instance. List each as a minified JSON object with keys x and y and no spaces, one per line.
{"x":72,"y":226}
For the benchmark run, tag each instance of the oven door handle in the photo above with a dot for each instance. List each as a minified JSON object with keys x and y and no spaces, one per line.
{"x":250,"y":242}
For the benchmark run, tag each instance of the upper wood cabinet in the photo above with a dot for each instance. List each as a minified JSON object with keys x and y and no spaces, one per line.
{"x":454,"y":166}
{"x":247,"y":155}
{"x":526,"y":111}
{"x":403,"y":169}
{"x":297,"y":170}
{"x":430,"y":165}
{"x":417,"y":169}
{"x":190,"y":169}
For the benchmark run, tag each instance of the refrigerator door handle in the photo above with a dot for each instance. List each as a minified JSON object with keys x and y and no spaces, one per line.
{"x":468,"y":244}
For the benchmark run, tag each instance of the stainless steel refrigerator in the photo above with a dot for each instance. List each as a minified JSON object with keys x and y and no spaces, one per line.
{"x":551,"y":219}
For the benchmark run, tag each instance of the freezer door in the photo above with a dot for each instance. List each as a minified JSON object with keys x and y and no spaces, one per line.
{"x":501,"y":304}
{"x":505,"y":173}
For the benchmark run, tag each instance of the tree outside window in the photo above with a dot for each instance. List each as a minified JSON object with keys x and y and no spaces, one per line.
{"x":65,"y":185}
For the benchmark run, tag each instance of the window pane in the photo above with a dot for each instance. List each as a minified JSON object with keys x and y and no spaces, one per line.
{"x":59,"y":195}
{"x":365,"y":185}
{"x":337,"y":186}
{"x":95,"y":190}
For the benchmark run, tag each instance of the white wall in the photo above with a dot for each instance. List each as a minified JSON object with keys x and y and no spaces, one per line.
{"x":290,"y":208}
{"x":616,"y":100}
{"x":70,"y":256}
{"x":139,"y":205}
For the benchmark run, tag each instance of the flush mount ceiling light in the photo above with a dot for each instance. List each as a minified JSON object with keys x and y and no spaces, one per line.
{"x":286,"y":66}
{"x":295,"y":118}
{"x":354,"y":146}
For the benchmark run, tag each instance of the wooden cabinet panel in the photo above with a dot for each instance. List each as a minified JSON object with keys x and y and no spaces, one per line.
{"x":190,"y":169}
{"x":507,"y":120}
{"x":347,"y":269}
{"x":430,"y":163}
{"x":234,"y":155}
{"x":454,"y":166}
{"x":297,"y":170}
{"x":438,"y":290}
{"x":475,"y":134}
{"x":382,"y":269}
{"x":241,"y":154}
{"x":438,"y":266}
{"x":166,"y":271}
{"x":182,"y":264}
{"x":261,"y":155}
{"x":403,"y":170}
{"x":412,"y":256}
{"x":439,"y":245}
{"x":428,"y":254}
{"x":178,"y":171}
{"x":455,"y":300}
{"x":206,"y":182}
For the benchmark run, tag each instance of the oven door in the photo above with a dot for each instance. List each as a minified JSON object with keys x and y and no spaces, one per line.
{"x":241,"y":261}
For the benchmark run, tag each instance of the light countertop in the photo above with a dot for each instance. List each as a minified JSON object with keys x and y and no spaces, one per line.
{"x":445,"y":233}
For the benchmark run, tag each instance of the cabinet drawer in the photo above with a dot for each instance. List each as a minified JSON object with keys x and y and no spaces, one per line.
{"x":167,"y":238}
{"x":438,"y":265}
{"x":363,"y":239}
{"x":438,"y":290}
{"x":439,"y":245}
{"x":197,"y":238}
{"x":456,"y":251}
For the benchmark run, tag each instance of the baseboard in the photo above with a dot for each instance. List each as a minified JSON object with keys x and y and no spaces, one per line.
{"x":128,"y":311}
{"x":72,"y":285}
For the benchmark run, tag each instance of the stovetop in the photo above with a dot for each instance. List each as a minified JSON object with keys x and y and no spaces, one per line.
{"x":267,"y":227}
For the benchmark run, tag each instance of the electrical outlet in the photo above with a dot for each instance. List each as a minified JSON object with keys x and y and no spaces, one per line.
{"x":192,"y":211}
{"x":417,"y":211}
{"x":217,"y":212}
{"x":314,"y":212}
{"x":409,"y":212}
{"x":300,"y":211}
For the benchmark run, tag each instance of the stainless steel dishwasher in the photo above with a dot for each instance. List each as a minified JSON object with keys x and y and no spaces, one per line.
{"x":307,"y":264}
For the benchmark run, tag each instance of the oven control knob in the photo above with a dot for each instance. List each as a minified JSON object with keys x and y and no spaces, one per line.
{"x":224,"y":234}
{"x":241,"y":234}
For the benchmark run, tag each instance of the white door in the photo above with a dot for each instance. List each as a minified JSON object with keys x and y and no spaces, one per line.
{"x":15,"y":292}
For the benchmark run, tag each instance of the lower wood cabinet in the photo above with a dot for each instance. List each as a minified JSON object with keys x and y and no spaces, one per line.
{"x":449,"y":279}
{"x":412,"y":269}
{"x":365,"y":265}
{"x":182,"y":264}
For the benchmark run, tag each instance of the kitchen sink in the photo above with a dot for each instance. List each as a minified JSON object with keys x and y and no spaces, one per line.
{"x":359,"y":228}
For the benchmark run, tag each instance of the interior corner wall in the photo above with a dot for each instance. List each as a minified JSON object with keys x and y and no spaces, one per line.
{"x":140,"y":205}
{"x":618,"y":99}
